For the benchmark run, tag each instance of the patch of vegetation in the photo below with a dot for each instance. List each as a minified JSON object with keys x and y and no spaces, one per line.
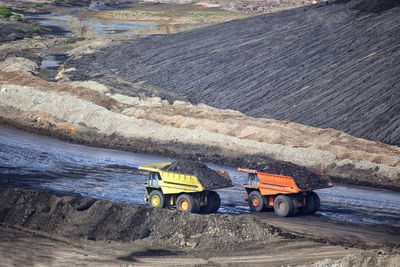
{"x":36,"y":29}
{"x":53,"y":2}
{"x":208,"y":16}
{"x":5,"y":12}
{"x":134,"y":13}
{"x":18,"y":17}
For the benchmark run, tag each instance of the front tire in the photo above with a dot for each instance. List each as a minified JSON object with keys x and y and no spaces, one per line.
{"x":156,"y":199}
{"x":185,"y":203}
{"x":256,"y":201}
{"x":283,"y":206}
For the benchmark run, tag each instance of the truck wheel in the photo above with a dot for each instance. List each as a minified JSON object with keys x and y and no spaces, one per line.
{"x":317,"y":202}
{"x":283,"y":206}
{"x":256,"y":201}
{"x":310,"y":205}
{"x":213,"y":203}
{"x":186,"y":203}
{"x":196,"y":206}
{"x":295,"y":203}
{"x":156,"y":199}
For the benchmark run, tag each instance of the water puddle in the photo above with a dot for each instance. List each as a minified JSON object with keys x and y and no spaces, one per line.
{"x":66,"y":24}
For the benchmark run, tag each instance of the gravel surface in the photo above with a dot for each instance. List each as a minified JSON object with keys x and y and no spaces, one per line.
{"x":208,"y":178}
{"x":328,"y":67}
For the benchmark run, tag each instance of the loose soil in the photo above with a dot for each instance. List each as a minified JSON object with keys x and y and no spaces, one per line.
{"x":208,"y":178}
{"x":304,"y":178}
{"x":81,"y":231}
{"x":328,"y":66}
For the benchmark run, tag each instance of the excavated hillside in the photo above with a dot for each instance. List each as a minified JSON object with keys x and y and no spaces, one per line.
{"x":329,"y":65}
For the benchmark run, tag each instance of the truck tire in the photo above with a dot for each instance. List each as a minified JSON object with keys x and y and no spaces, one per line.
{"x":185,"y":203}
{"x":283,"y":206}
{"x":256,"y":201}
{"x":196,"y":206}
{"x":310,"y":204}
{"x":213,"y":203}
{"x":317,"y":202}
{"x":156,"y":199}
{"x":295,"y":203}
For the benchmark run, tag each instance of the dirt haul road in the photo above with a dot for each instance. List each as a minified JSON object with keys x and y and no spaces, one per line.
{"x":327,"y":66}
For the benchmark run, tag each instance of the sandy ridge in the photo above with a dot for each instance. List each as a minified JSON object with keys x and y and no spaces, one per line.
{"x":77,"y":115}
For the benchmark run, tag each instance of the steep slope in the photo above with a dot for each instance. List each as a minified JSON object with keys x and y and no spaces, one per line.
{"x":326,"y":66}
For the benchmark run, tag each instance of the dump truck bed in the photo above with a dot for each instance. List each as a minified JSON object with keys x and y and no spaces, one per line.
{"x":195,"y":181}
{"x":272,"y":184}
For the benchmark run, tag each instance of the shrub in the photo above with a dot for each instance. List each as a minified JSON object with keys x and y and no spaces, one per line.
{"x":5,"y":12}
{"x":17,"y":17}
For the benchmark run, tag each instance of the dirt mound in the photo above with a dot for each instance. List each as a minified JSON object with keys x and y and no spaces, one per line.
{"x":303,"y":177}
{"x":80,"y":92}
{"x":76,"y":218}
{"x":376,"y":6}
{"x":326,"y":67}
{"x":208,"y":178}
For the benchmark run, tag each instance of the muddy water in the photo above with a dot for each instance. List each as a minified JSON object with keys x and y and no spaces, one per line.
{"x":38,"y":162}
{"x":66,"y":24}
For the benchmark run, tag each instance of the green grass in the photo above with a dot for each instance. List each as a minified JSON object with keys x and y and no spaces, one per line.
{"x":36,"y":29}
{"x":205,"y":16}
{"x":18,"y":17}
{"x":5,"y":12}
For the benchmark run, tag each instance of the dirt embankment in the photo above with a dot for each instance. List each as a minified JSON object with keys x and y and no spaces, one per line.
{"x":328,"y":67}
{"x":57,"y":110}
{"x":90,"y":219}
{"x":117,"y":233}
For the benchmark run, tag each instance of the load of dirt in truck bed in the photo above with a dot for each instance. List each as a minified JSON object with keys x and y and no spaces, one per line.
{"x":304,"y":178}
{"x":208,"y":178}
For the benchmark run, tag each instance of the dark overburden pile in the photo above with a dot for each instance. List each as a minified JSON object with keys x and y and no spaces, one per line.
{"x":208,"y":178}
{"x":304,"y":178}
{"x":376,"y":6}
{"x":324,"y":67}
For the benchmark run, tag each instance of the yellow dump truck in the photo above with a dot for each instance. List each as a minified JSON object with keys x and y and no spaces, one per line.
{"x":187,"y":192}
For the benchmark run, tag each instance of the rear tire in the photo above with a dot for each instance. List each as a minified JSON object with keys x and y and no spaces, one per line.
{"x":317,"y":202}
{"x":310,"y":204}
{"x":295,"y":203}
{"x":185,"y":203}
{"x":213,"y":203}
{"x":196,"y":208}
{"x":256,"y":201}
{"x":156,"y":199}
{"x":283,"y":206}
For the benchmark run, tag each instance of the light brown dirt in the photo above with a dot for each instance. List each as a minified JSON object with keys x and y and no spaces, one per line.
{"x":90,"y":113}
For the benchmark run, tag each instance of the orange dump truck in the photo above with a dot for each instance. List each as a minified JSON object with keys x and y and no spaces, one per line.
{"x":266,"y":190}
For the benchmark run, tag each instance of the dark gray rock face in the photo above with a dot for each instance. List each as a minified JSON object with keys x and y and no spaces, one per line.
{"x":329,"y":66}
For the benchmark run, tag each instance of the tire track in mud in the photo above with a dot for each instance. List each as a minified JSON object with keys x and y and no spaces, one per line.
{"x":328,"y":67}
